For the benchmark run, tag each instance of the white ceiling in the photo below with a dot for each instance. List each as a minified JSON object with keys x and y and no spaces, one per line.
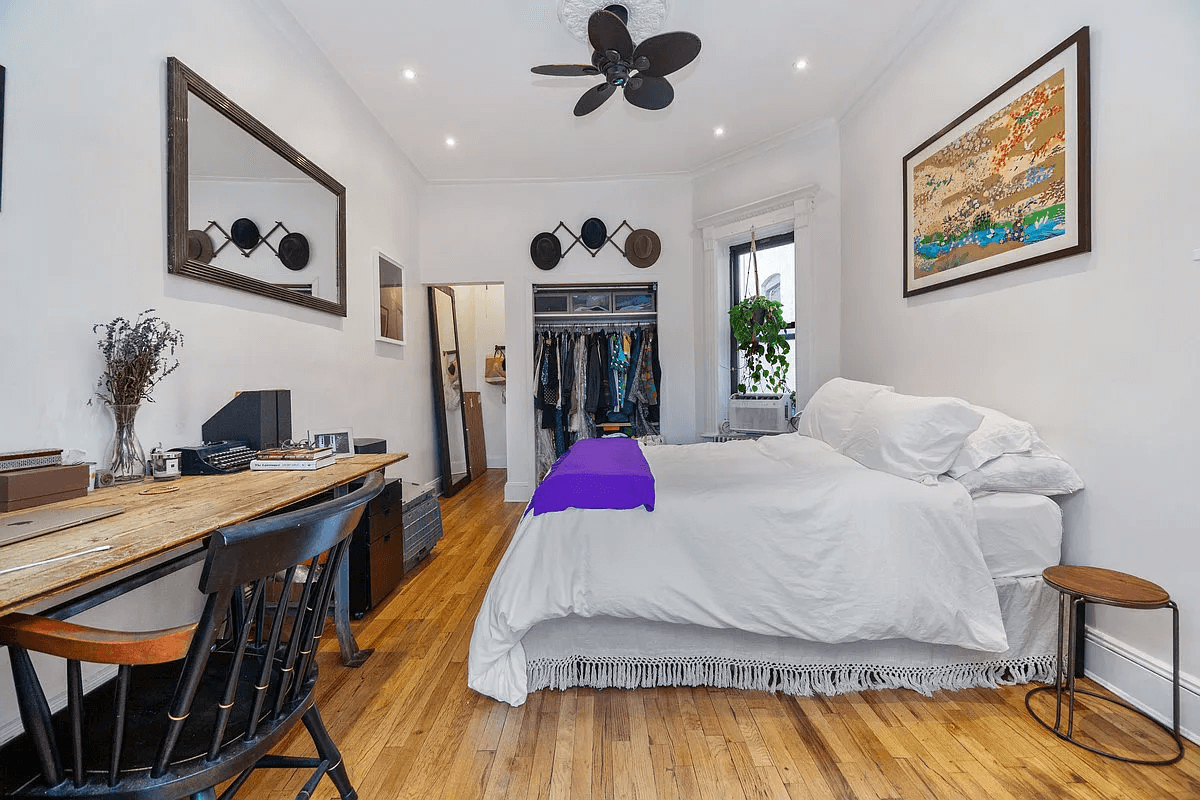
{"x":474,"y":83}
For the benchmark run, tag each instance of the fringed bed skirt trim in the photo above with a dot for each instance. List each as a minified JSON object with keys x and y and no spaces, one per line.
{"x":826,"y":679}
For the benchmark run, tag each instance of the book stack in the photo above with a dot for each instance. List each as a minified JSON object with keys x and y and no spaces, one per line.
{"x":304,"y":458}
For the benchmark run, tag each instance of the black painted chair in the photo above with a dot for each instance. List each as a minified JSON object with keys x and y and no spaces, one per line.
{"x":194,"y":707}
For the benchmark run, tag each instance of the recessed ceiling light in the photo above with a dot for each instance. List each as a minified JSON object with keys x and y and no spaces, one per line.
{"x":718,"y":131}
{"x":800,"y":64}
{"x":450,"y":142}
{"x":409,"y":75}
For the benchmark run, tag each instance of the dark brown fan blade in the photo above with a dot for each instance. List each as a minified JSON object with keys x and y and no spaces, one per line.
{"x":653,"y":92}
{"x":667,"y":52}
{"x":566,"y":70}
{"x":607,"y":32}
{"x":593,"y":98}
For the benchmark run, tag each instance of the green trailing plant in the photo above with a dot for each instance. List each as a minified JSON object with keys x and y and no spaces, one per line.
{"x":759,"y":329}
{"x":137,"y":355}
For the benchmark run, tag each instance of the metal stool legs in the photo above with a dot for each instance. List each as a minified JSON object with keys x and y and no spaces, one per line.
{"x":1070,"y":612}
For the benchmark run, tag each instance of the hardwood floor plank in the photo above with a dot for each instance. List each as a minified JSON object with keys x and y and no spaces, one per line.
{"x":408,"y":726}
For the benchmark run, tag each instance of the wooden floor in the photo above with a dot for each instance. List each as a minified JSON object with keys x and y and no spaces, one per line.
{"x":409,"y":727}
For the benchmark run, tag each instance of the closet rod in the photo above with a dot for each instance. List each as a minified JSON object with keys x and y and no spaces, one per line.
{"x":594,"y":326}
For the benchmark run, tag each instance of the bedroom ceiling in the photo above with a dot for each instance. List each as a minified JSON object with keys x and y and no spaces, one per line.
{"x":473,"y":82}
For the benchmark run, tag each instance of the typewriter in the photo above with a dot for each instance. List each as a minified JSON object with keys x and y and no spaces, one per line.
{"x":216,"y":458}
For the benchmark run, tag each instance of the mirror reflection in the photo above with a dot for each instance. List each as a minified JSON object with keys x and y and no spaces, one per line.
{"x":448,"y":390}
{"x":246,"y":209}
{"x":237,"y":184}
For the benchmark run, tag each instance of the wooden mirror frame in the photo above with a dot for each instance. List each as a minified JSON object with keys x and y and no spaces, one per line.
{"x":182,"y":81}
{"x":449,"y":485}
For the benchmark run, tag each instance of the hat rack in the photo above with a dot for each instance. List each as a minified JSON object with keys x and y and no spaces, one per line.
{"x":212,"y":223}
{"x":577,"y":240}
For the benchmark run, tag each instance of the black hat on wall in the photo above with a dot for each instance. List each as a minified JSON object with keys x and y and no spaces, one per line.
{"x":293,"y":251}
{"x":244,"y":233}
{"x":594,"y":234}
{"x":545,"y":250}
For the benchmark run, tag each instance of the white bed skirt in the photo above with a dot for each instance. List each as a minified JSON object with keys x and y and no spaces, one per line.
{"x":607,"y":652}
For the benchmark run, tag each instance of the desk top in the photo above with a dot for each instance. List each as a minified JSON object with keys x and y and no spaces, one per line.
{"x":154,"y":524}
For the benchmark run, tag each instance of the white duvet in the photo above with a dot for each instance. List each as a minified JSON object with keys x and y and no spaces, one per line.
{"x":781,"y":536}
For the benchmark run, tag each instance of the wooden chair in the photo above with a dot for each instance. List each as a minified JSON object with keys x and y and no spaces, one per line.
{"x":193,"y":707}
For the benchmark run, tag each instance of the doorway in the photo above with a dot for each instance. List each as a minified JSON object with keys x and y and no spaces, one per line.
{"x":483,"y":344}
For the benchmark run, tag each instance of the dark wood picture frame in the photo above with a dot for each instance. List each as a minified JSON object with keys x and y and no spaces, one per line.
{"x":1,"y":135}
{"x":181,"y":81}
{"x":1010,"y":178}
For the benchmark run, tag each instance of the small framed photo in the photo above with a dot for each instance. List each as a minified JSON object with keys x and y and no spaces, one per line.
{"x":390,"y":326}
{"x":340,"y":439}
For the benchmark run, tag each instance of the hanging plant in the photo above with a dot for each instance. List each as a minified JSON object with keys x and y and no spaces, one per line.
{"x":759,"y":329}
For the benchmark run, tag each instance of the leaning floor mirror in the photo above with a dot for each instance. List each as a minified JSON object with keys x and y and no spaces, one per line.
{"x":244,"y":208}
{"x":447,"y":390}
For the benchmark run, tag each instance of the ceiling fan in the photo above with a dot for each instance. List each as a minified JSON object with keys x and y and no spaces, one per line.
{"x":641,"y":71}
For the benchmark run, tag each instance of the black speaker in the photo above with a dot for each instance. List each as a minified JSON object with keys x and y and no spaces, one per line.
{"x":262,"y":419}
{"x":370,"y":445}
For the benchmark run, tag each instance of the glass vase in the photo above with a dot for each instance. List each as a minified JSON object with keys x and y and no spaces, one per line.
{"x":125,"y":456}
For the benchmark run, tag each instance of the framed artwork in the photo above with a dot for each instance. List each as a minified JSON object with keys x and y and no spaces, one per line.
{"x":1,"y":133}
{"x":1007,"y":184}
{"x":340,"y":439}
{"x":389,"y":326}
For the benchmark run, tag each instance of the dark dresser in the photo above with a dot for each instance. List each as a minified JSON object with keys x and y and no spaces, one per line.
{"x":377,"y":550}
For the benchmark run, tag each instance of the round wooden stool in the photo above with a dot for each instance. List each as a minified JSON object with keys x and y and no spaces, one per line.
{"x":1078,"y":586}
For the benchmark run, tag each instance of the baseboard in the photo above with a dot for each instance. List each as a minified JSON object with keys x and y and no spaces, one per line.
{"x":517,"y":492}
{"x":1142,"y":680}
{"x":12,"y":728}
{"x":497,"y":462}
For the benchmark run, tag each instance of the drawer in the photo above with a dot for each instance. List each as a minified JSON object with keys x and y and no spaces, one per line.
{"x":386,"y":512}
{"x":387,"y":565}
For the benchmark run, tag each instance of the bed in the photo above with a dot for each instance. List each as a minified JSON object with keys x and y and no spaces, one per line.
{"x":782,"y":564}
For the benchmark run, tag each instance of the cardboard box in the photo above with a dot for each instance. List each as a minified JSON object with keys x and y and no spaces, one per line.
{"x":27,"y":488}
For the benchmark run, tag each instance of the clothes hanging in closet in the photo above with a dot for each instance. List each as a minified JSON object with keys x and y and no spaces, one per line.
{"x":585,"y":380}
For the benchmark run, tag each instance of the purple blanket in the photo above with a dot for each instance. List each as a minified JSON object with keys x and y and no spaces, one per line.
{"x":597,"y":473}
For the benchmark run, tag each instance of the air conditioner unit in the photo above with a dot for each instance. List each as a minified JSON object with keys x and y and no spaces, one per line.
{"x":760,"y":413}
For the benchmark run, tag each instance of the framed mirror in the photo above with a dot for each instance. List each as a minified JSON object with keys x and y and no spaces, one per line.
{"x":244,"y":208}
{"x":389,"y":326}
{"x":447,"y":390}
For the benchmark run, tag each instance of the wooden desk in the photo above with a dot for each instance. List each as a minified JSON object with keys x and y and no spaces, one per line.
{"x":157,"y":524}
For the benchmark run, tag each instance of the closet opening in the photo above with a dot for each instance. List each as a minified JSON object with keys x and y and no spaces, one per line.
{"x":596,"y":365}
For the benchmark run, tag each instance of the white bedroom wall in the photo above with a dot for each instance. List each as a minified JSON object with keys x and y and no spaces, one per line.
{"x":803,"y":158}
{"x":83,"y":238}
{"x":1099,"y":351}
{"x":474,"y":233}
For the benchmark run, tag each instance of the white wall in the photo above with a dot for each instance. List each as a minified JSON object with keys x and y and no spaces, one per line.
{"x":1099,"y":351}
{"x":481,"y":232}
{"x":83,"y":233}
{"x":804,"y":158}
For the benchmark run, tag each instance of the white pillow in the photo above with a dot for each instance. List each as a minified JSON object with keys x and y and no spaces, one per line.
{"x":996,"y":435}
{"x":912,"y":437}
{"x":831,"y":411}
{"x":1040,"y":471}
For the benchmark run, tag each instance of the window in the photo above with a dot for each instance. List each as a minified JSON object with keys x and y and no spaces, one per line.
{"x":776,"y":281}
